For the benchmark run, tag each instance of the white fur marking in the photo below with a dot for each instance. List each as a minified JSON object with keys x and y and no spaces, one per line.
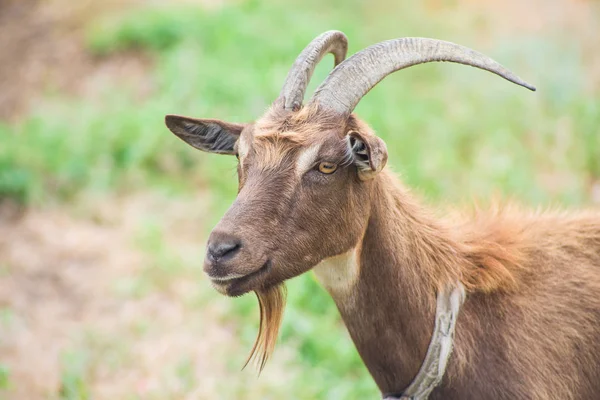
{"x":306,"y":159}
{"x":339,"y":274}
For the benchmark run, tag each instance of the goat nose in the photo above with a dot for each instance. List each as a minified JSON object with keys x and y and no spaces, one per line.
{"x":222,"y":246}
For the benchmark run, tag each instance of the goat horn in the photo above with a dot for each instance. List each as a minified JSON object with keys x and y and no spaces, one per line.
{"x":353,"y":78}
{"x":292,"y":93}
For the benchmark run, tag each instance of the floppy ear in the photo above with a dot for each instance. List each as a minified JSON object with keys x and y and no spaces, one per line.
{"x":369,"y":153}
{"x":209,"y":135}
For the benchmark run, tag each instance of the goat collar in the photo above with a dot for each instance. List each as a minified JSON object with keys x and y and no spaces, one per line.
{"x":432,"y":370}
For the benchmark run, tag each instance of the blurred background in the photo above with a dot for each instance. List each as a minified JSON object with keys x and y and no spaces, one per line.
{"x":104,"y":213}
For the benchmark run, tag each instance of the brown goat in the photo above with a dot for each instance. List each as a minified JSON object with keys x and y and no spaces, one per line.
{"x":314,"y":194}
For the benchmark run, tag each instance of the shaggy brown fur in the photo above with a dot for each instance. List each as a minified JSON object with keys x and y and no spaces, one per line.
{"x":530,"y":327}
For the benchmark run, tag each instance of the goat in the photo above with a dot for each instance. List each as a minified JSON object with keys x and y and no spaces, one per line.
{"x":314,"y":194}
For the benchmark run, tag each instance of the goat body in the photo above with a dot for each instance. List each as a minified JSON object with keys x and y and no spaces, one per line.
{"x":530,"y":325}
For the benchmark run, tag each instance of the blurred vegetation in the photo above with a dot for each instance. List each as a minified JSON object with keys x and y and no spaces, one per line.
{"x":452,"y":132}
{"x":446,"y":134}
{"x":4,"y":377}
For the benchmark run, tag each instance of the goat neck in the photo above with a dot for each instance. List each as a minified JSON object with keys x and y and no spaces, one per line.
{"x":400,"y":264}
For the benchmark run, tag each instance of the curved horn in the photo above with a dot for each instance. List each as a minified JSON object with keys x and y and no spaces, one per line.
{"x":292,"y":93}
{"x":352,"y":79}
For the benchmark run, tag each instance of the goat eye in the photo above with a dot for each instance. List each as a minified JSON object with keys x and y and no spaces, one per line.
{"x":237,"y":155}
{"x":327,"y":167}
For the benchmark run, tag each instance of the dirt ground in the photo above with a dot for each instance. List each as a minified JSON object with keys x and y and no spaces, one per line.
{"x":86,"y":306}
{"x":64,"y":276}
{"x":41,"y":51}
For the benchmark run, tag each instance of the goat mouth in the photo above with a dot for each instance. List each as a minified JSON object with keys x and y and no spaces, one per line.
{"x":238,"y":285}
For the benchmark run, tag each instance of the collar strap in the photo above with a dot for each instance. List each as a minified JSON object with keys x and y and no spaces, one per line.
{"x":433,"y":368}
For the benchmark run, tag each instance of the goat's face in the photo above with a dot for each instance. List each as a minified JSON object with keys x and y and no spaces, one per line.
{"x":304,"y":193}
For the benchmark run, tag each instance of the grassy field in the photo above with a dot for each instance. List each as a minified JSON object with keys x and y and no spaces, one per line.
{"x":98,"y":179}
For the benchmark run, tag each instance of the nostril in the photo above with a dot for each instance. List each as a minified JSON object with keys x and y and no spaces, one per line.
{"x":223,"y":248}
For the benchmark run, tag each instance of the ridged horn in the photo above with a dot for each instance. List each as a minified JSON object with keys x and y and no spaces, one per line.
{"x":292,"y":93}
{"x":353,"y":78}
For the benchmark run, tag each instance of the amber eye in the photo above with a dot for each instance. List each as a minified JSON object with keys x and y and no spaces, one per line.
{"x":327,"y":167}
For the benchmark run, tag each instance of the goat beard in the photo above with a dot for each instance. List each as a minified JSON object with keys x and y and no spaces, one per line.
{"x":271,"y":302}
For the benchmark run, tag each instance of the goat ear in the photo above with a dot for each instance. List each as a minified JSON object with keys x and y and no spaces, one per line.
{"x":369,"y":153}
{"x":209,"y":135}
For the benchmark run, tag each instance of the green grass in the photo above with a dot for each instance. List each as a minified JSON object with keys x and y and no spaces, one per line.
{"x":452,"y":132}
{"x":4,"y":378}
{"x":75,"y":371}
{"x":91,"y":354}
